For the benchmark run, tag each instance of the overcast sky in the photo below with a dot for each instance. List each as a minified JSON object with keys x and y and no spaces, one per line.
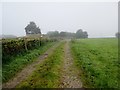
{"x":99,"y":19}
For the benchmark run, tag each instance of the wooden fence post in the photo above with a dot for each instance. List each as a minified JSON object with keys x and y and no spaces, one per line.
{"x":25,"y":41}
{"x":40,"y":39}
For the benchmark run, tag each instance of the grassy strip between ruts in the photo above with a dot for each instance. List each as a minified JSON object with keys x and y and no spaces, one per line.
{"x":17,"y":63}
{"x":98,"y":61}
{"x":47,"y":74}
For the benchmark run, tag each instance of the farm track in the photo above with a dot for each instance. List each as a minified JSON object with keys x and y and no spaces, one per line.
{"x":70,"y":74}
{"x":28,"y":69}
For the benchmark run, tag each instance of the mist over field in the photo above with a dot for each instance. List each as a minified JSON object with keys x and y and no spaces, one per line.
{"x":99,"y":19}
{"x":59,"y":44}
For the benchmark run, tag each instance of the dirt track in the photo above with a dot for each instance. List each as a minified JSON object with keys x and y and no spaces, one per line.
{"x":70,"y":75}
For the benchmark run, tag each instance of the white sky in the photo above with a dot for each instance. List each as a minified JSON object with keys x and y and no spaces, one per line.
{"x":99,"y":19}
{"x":60,"y":0}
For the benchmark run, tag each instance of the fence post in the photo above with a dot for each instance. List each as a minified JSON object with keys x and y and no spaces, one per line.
{"x":40,"y":39}
{"x":25,"y":41}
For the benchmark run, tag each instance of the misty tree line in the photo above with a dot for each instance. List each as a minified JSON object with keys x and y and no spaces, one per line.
{"x":32,"y":28}
{"x":79,"y":34}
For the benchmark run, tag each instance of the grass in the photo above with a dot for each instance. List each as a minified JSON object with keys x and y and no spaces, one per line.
{"x":17,"y":63}
{"x":47,"y":74}
{"x":98,"y":61}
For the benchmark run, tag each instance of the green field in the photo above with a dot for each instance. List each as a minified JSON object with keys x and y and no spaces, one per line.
{"x":98,"y":61}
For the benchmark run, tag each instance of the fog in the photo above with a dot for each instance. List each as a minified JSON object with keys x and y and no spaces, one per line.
{"x":99,"y":19}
